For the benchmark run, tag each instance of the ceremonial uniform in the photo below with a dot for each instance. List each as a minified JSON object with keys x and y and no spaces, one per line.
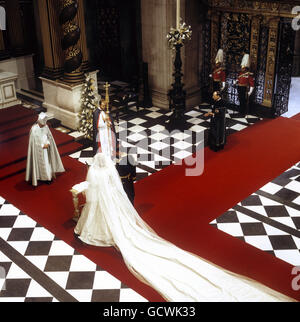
{"x":218,"y":75}
{"x":127,"y":172}
{"x":219,"y":78}
{"x":245,"y":81}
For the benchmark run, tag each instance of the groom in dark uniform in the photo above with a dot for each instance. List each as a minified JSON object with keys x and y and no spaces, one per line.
{"x":126,"y":168}
{"x":217,"y":131}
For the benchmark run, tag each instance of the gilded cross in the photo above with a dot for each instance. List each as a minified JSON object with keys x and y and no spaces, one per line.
{"x":107,"y":86}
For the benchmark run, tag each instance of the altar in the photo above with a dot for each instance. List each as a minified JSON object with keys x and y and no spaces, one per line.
{"x":8,"y":96}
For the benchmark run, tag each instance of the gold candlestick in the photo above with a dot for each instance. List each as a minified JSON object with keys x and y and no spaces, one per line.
{"x":178,"y":14}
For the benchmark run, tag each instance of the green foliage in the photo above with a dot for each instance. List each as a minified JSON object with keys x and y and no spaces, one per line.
{"x":89,"y":100}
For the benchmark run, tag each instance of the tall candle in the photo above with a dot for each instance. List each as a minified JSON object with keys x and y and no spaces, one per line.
{"x":178,"y":14}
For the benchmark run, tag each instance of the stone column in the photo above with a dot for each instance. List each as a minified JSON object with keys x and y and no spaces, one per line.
{"x":191,"y":53}
{"x":4,"y":53}
{"x":80,"y":19}
{"x":157,"y":19}
{"x":51,"y":37}
{"x":64,"y":42}
{"x":73,"y":73}
{"x":14,"y":28}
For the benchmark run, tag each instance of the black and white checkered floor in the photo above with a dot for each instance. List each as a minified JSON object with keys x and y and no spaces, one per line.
{"x":40,"y":267}
{"x":144,"y":135}
{"x":45,"y":268}
{"x":269,"y":219}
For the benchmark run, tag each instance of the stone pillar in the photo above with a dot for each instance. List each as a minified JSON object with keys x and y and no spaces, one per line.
{"x":64,"y":43}
{"x":4,"y":53}
{"x":73,"y":73}
{"x":14,"y":28}
{"x":191,"y":52}
{"x":62,"y":100}
{"x":51,"y":37}
{"x":157,"y":19}
{"x":80,"y":19}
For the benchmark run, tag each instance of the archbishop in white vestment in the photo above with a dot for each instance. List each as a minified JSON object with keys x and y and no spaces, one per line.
{"x":104,"y":132}
{"x":43,"y":159}
{"x":109,"y":219}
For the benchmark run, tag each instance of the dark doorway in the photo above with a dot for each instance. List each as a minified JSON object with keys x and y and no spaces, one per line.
{"x":113,"y":28}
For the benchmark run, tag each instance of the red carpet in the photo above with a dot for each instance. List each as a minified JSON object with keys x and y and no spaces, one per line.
{"x":180,"y":208}
{"x":14,"y":138}
{"x":17,"y":149}
{"x":14,"y":113}
{"x":15,"y":133}
{"x":12,"y":126}
{"x":251,"y":159}
{"x":14,"y":148}
{"x":20,"y":166}
{"x":296,"y":117}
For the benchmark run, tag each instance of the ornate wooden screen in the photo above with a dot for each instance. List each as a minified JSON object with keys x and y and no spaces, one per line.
{"x":261,"y":65}
{"x":107,"y":38}
{"x":235,"y":41}
{"x":284,"y":66}
{"x":206,"y":66}
{"x":262,"y":29}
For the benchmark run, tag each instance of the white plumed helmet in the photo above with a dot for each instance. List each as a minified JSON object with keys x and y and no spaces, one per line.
{"x":246,"y":61}
{"x":220,"y":56}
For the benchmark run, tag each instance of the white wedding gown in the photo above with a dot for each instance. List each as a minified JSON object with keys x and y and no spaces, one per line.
{"x":109,"y":219}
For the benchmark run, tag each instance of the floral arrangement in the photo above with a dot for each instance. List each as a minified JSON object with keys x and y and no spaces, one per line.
{"x":89,"y":102}
{"x":179,"y":36}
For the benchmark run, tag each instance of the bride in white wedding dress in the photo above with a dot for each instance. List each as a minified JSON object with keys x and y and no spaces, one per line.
{"x":109,"y":219}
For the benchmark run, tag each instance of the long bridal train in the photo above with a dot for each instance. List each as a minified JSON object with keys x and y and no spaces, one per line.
{"x":109,"y":219}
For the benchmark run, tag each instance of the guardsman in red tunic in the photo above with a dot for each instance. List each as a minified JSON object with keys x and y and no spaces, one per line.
{"x":245,"y":83}
{"x":218,"y":75}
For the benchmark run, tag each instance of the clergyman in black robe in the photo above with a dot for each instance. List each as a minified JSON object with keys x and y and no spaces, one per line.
{"x":217,"y":130}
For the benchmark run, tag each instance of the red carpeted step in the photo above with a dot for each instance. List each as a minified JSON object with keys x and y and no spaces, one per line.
{"x":180,"y":208}
{"x":17,"y":149}
{"x":15,"y":133}
{"x":10,"y":127}
{"x":19,"y":167}
{"x":14,"y":113}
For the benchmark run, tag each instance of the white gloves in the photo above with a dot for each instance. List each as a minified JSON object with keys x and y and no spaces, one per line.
{"x":250,"y":91}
